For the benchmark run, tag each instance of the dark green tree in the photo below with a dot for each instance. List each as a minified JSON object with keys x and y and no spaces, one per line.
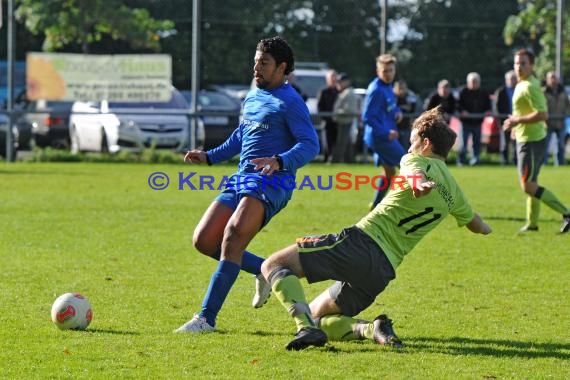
{"x":341,"y":33}
{"x":83,"y":23}
{"x":433,"y":39}
{"x":450,"y":38}
{"x":534,"y":26}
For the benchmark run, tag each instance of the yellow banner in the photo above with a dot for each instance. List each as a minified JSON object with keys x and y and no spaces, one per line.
{"x":119,"y":78}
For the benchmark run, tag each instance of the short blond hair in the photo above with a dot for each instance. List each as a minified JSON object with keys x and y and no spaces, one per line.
{"x":384,"y":59}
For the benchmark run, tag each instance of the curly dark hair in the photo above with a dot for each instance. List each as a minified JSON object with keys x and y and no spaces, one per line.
{"x":280,"y":50}
{"x":432,"y":125}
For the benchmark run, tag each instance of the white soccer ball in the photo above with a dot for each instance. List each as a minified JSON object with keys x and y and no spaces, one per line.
{"x":71,"y":311}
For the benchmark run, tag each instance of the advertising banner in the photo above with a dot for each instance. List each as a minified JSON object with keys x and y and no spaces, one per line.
{"x":84,"y":77}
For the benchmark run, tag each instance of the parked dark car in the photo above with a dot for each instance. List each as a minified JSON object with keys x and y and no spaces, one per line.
{"x":4,"y":121}
{"x":236,"y":91}
{"x":220,"y":116}
{"x":22,"y":133}
{"x":45,"y":122}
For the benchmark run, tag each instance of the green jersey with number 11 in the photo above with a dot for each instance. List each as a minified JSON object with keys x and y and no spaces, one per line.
{"x":400,"y":221}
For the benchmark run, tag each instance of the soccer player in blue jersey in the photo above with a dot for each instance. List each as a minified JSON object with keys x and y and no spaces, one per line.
{"x":274,"y":139}
{"x":362,"y":259}
{"x":380,"y":115}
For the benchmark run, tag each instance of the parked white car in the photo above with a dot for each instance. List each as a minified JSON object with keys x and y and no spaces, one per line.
{"x":112,"y":126}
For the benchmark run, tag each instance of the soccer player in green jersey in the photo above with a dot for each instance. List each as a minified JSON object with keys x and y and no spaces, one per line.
{"x":528,"y":121}
{"x":363,"y":258}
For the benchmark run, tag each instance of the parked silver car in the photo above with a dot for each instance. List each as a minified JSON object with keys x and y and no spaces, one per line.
{"x":112,"y":126}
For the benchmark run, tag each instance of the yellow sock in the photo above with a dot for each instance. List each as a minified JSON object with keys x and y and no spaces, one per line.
{"x":289,"y":291}
{"x":341,"y":327}
{"x":532,"y":211}
{"x":551,"y":201}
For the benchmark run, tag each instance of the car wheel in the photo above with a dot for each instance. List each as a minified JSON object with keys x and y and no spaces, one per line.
{"x":104,"y":143}
{"x":14,"y":152}
{"x":75,"y":145}
{"x":41,"y":141}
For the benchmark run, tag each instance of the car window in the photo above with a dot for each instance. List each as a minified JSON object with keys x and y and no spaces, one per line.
{"x":310,"y":84}
{"x":177,"y":101}
{"x":214,"y":99}
{"x":59,"y":105}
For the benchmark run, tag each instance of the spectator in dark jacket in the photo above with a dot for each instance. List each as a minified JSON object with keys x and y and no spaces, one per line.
{"x":473,"y":104}
{"x":504,"y":107}
{"x":408,"y":102}
{"x":444,"y":97}
{"x":325,"y":103}
{"x":558,"y":107}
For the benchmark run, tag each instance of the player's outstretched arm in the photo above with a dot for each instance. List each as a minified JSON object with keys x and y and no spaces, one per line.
{"x":196,"y":157}
{"x":478,"y":226}
{"x":420,"y":185}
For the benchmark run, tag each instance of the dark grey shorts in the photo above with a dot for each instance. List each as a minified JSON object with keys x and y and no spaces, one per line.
{"x":530,"y":156}
{"x":354,"y":260}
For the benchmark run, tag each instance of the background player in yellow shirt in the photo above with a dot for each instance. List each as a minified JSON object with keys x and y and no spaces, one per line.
{"x":528,"y":120}
{"x":363,"y":258}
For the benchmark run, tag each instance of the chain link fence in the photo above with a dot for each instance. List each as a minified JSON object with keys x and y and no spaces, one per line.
{"x":432,"y":39}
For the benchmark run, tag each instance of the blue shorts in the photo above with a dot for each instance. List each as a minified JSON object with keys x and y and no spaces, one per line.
{"x":386,"y":152}
{"x":274,"y":191}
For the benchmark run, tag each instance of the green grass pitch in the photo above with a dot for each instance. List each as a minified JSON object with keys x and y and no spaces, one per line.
{"x":466,"y":306}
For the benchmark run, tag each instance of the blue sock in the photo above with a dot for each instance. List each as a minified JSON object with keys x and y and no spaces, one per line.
{"x":251,"y":263}
{"x":221,"y":282}
{"x":380,"y":193}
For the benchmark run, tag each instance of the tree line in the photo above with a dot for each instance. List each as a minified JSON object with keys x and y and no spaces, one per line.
{"x":433,"y":39}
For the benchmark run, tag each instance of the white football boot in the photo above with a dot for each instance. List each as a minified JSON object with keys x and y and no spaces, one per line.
{"x":262,"y":291}
{"x":196,"y":325}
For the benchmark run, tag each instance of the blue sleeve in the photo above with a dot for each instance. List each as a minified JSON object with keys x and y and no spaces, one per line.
{"x":228,"y":149}
{"x":307,"y":145}
{"x":372,"y":113}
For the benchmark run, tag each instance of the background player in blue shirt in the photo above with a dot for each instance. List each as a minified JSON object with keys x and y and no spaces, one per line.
{"x":380,"y":115}
{"x":274,"y":139}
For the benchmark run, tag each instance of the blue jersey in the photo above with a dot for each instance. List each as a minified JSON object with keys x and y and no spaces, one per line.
{"x":275,"y":121}
{"x":379,"y":112}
